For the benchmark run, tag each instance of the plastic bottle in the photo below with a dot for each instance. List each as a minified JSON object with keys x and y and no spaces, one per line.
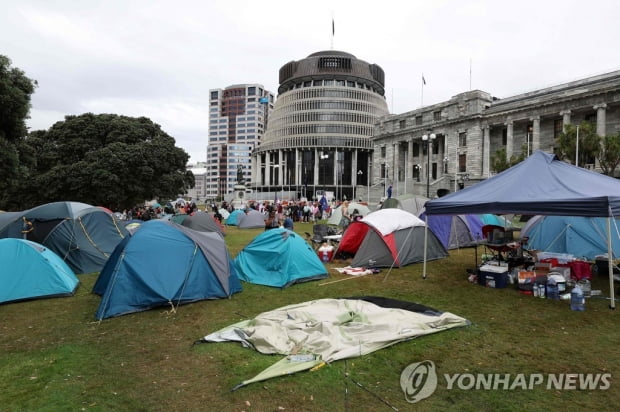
{"x":586,"y":287}
{"x":577,"y":301}
{"x":535,"y":290}
{"x":553,"y":291}
{"x":541,"y":291}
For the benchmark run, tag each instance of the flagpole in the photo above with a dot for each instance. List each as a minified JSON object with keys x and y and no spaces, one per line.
{"x":333,"y":31}
{"x":470,"y":73}
{"x":422,"y":99}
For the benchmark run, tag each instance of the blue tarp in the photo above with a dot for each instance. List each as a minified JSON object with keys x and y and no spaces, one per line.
{"x":279,"y":258}
{"x":31,"y":271}
{"x":164,"y":263}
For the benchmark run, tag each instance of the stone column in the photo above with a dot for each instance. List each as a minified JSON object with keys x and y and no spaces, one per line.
{"x":315,"y":177}
{"x":601,"y":110}
{"x":486,"y":152}
{"x":565,"y":117}
{"x":509,"y":139}
{"x":409,"y":165}
{"x":395,"y":148}
{"x":535,"y":134}
{"x":255,"y":171}
{"x":268,"y":169}
{"x":354,"y":169}
{"x":335,"y":176}
{"x":280,"y":180}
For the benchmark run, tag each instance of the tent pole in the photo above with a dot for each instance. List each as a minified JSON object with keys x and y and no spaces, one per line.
{"x":425,"y":243}
{"x":610,"y":268}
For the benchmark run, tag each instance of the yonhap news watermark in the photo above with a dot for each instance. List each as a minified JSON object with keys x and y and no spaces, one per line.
{"x":420,"y":380}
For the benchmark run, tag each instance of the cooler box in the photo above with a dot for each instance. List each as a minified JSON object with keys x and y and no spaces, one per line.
{"x":493,"y":276}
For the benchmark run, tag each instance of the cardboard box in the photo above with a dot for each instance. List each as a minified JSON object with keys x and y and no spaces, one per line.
{"x":493,"y":276}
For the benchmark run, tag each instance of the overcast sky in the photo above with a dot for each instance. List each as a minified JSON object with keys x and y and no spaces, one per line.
{"x":159,"y":58}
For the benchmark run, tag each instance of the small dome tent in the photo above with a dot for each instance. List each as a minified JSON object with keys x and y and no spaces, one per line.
{"x":253,"y":219}
{"x":203,"y":222}
{"x":84,"y":236}
{"x":32,"y":271}
{"x":455,"y":231}
{"x":164,"y":263}
{"x":279,"y":258}
{"x":389,"y":237}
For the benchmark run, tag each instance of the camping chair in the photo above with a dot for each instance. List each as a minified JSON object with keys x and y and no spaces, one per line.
{"x":319,"y":231}
{"x":496,"y":240}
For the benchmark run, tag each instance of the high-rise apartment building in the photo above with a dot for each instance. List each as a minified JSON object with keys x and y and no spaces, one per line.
{"x":238,"y":116}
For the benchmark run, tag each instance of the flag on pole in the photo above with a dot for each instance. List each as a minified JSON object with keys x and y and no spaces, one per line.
{"x":423,"y":80}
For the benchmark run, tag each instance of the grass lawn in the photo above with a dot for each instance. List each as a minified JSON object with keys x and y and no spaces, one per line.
{"x":55,"y":356}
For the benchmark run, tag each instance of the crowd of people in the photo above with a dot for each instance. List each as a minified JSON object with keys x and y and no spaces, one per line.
{"x":277,"y":214}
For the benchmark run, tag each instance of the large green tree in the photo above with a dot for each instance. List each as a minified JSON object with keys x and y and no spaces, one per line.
{"x":589,"y":143}
{"x":499,"y":161}
{"x":105,"y":159}
{"x":15,"y":92}
{"x":609,"y":154}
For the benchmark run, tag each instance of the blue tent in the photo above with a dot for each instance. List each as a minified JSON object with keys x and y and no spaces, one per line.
{"x":575,"y":235}
{"x":164,"y":263}
{"x":234,"y":217}
{"x":280,"y":258}
{"x":31,"y":271}
{"x":491,"y":219}
{"x":542,"y":184}
{"x":455,"y":231}
{"x":84,"y":236}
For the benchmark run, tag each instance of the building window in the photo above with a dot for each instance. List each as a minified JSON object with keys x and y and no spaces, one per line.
{"x":214,"y":95}
{"x":383,"y":152}
{"x":402,"y":124}
{"x":462,"y":163}
{"x":462,"y":139}
{"x":251,"y":91}
{"x":418,"y":120}
{"x":416,"y":149}
{"x":437,"y":115}
{"x":558,"y":127}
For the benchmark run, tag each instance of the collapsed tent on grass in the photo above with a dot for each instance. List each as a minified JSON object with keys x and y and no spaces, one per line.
{"x":253,"y":219}
{"x":455,"y":231}
{"x":582,"y":237}
{"x":203,"y":222}
{"x":542,"y":184}
{"x":279,"y":258}
{"x":164,"y":263}
{"x":325,"y":330}
{"x":388,"y":238}
{"x":84,"y":236}
{"x":32,"y":271}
